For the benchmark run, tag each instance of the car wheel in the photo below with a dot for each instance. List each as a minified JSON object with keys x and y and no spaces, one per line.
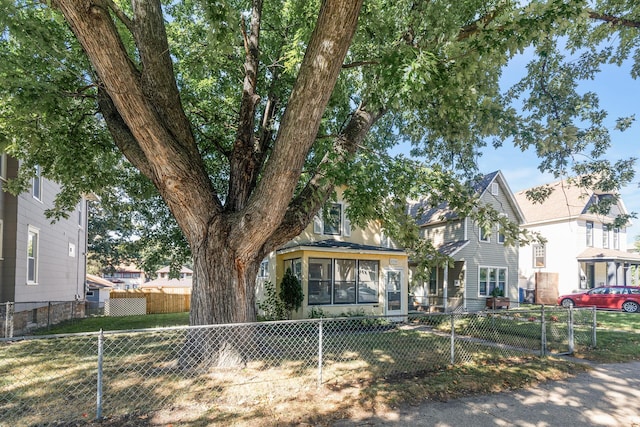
{"x":567,"y":303}
{"x":630,"y":306}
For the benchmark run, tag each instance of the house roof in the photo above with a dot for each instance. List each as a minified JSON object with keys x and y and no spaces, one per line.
{"x":452,"y":248}
{"x":339,"y":245}
{"x":167,"y":268}
{"x":96,"y":282}
{"x":187,"y":282}
{"x":566,"y":201}
{"x":442,"y":213}
{"x":599,"y":254}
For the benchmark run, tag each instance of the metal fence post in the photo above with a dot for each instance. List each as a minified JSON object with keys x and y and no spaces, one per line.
{"x":320,"y":353}
{"x":453,"y":340}
{"x":99,"y":381}
{"x":10,"y":312}
{"x":570,"y":326}
{"x":594,"y":327}
{"x":543,"y":333}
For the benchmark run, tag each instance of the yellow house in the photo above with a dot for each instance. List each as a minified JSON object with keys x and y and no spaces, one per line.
{"x":342,"y":269}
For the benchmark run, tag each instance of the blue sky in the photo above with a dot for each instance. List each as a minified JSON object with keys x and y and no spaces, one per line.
{"x":620,"y":96}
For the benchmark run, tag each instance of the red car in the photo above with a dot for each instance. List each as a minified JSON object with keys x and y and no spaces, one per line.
{"x":626,"y":298}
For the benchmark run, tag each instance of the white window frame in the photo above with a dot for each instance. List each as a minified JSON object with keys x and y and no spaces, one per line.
{"x":497,"y":270}
{"x":539,"y":251}
{"x":494,"y":188}
{"x":616,"y":238}
{"x":37,"y":178}
{"x":263,"y":273}
{"x":605,"y":236}
{"x":482,"y":237}
{"x":589,"y":233}
{"x":35,"y":256}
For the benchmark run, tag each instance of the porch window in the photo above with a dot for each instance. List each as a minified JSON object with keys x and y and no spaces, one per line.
{"x":490,"y":278}
{"x":589,"y":232}
{"x":295,"y":265}
{"x":344,"y":285}
{"x":433,"y":282}
{"x":320,"y":275}
{"x":539,"y":256}
{"x":342,"y":281}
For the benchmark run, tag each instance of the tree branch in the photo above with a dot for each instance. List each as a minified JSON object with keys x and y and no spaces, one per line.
{"x":243,"y":161}
{"x":121,"y":16}
{"x":614,"y":20}
{"x":319,"y":188}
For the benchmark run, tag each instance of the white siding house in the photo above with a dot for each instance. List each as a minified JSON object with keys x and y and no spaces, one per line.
{"x":583,"y":250}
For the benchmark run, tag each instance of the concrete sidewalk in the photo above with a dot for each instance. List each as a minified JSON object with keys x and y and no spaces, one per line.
{"x":609,"y":395}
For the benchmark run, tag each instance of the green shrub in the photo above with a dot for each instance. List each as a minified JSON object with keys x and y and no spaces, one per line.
{"x":272,"y":306}
{"x":291,"y":294}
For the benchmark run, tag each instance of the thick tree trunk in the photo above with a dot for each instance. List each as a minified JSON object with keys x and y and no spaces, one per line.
{"x":224,"y":285}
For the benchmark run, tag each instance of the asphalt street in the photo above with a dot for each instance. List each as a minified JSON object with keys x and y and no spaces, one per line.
{"x":608,"y":395}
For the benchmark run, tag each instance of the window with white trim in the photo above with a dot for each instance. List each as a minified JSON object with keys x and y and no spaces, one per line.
{"x":332,"y":221}
{"x":484,"y":234}
{"x":539,"y":256}
{"x":490,"y":278}
{"x":295,"y":265}
{"x":342,"y":281}
{"x":36,"y":187}
{"x":33,"y":243}
{"x":589,"y":234}
{"x":264,"y":269}
{"x":616,"y":238}
{"x":605,"y":236}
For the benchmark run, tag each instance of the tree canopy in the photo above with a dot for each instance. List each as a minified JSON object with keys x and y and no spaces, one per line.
{"x":238,"y":119}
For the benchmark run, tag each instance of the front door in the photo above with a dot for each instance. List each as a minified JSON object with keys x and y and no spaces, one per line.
{"x":393,"y":294}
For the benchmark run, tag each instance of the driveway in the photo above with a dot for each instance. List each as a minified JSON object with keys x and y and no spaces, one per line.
{"x":609,"y":395}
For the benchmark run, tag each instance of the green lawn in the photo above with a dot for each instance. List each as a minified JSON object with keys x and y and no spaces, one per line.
{"x":107,"y":323}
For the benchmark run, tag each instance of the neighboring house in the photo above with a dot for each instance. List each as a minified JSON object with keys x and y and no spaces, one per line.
{"x":481,"y":259}
{"x":583,"y":250}
{"x":181,"y":285}
{"x":185,"y":272}
{"x":42,"y":264}
{"x":342,"y":269}
{"x":98,"y":290}
{"x":126,"y":277}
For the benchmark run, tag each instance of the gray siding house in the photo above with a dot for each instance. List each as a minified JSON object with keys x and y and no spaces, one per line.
{"x":42,"y":264}
{"x":481,"y":259}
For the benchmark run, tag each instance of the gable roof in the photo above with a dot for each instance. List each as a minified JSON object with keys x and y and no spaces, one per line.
{"x":442,"y":212}
{"x":167,"y":269}
{"x":566,"y":202}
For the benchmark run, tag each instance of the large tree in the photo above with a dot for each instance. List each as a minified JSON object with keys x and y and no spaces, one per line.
{"x":245,"y":115}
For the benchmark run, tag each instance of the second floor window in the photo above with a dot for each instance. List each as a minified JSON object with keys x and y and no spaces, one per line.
{"x":484,"y":234}
{"x":332,"y":221}
{"x":616,"y":238}
{"x":539,"y":255}
{"x":589,"y":232}
{"x":37,"y":184}
{"x":605,"y":236}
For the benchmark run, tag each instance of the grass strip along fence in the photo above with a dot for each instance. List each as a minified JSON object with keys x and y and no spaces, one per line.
{"x":58,"y":379}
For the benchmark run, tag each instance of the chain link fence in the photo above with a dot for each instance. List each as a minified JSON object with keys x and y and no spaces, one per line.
{"x":75,"y":378}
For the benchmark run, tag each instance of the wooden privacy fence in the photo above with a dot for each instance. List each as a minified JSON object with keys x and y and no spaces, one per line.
{"x":158,"y":301}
